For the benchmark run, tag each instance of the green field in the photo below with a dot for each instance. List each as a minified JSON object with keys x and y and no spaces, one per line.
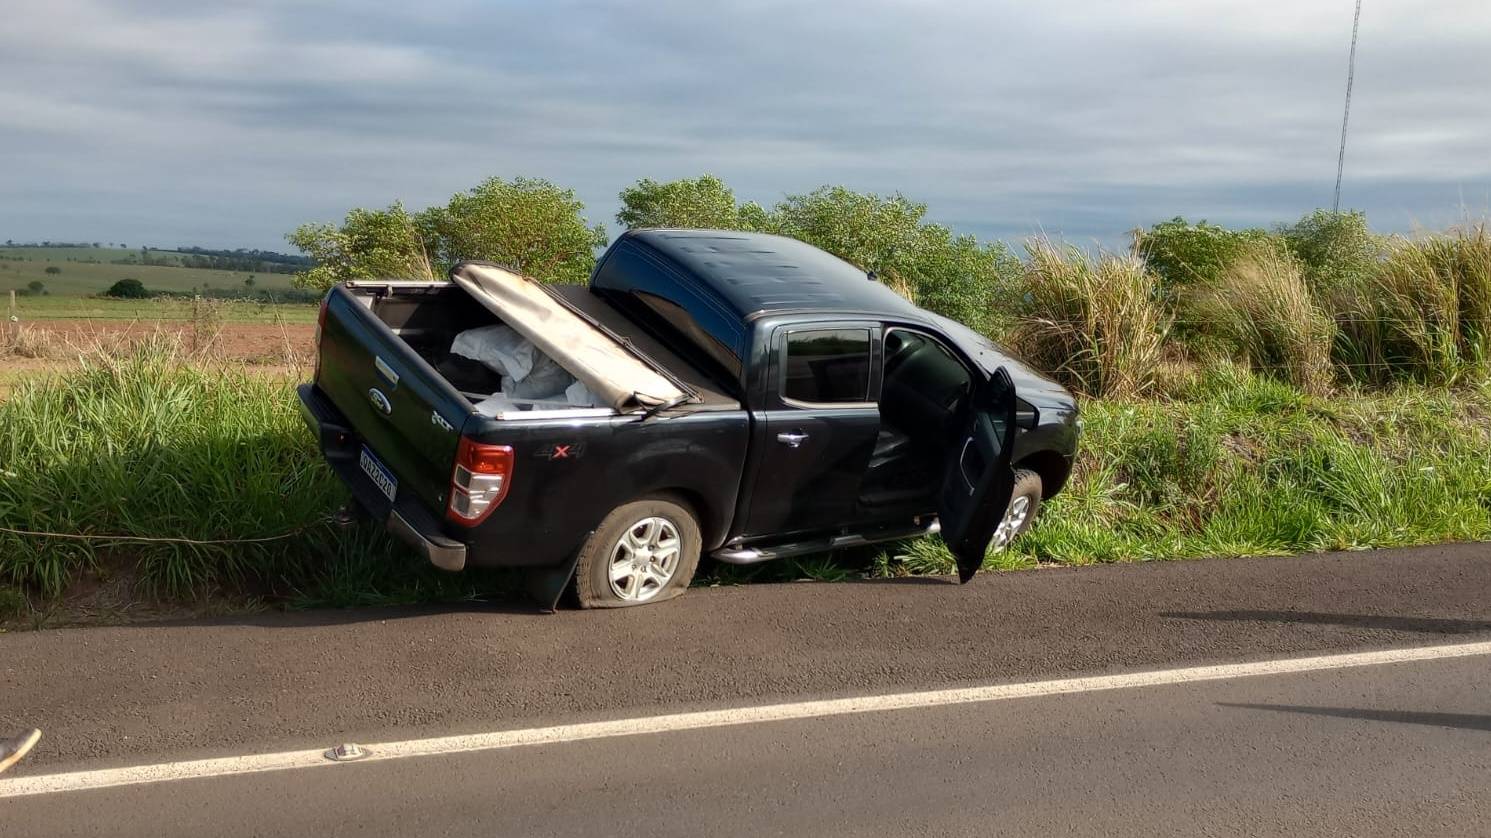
{"x":85,"y":271}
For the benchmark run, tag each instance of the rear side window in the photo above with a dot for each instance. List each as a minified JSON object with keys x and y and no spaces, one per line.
{"x":826,"y":366}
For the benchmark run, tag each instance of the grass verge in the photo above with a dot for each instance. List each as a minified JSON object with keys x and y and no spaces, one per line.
{"x":1244,"y":465}
{"x":152,"y":446}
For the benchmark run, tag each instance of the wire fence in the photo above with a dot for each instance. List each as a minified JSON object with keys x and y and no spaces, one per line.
{"x":196,"y":542}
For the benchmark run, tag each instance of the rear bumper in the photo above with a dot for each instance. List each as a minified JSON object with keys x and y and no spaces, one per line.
{"x":407,"y":520}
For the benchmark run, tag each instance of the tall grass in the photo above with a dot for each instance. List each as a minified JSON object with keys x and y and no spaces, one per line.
{"x":156,"y":444}
{"x":1247,"y":465}
{"x":150,"y":446}
{"x":1261,"y":308}
{"x":1094,"y":322}
{"x":1424,"y":314}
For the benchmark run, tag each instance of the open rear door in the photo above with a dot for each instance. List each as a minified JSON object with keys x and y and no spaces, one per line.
{"x":978,"y":482}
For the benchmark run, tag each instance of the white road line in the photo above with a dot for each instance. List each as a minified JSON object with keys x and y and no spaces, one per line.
{"x":285,"y":760}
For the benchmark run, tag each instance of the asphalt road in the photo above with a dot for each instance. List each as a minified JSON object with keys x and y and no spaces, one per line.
{"x":1401,"y":748}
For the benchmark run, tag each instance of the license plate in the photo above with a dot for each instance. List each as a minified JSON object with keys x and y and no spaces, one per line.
{"x":378,"y":473}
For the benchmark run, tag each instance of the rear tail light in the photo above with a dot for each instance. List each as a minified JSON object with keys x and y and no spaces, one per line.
{"x":320,"y":324}
{"x":479,"y":481}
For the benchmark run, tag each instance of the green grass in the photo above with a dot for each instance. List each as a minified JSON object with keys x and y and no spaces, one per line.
{"x":78,"y":278}
{"x":1235,"y":464}
{"x":151,"y":446}
{"x":1256,"y":436}
{"x":1244,"y":465}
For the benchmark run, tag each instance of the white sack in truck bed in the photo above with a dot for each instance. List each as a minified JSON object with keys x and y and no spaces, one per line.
{"x":618,"y":378}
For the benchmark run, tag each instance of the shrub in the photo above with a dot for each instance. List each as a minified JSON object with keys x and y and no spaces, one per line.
{"x":704,"y":202}
{"x":528,"y":224}
{"x":52,"y":270}
{"x":128,"y":289}
{"x":950,"y":274}
{"x":1336,"y":250}
{"x":1092,"y":321}
{"x":1181,"y":253}
{"x":1262,"y":309}
{"x":36,"y":286}
{"x":369,"y":244}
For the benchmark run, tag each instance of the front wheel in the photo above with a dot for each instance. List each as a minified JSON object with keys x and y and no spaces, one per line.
{"x":1025,"y":502}
{"x":644,"y":551}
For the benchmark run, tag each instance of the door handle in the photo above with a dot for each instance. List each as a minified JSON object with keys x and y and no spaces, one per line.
{"x":792,"y":439}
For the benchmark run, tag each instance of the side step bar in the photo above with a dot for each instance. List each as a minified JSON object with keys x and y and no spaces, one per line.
{"x":757,"y":555}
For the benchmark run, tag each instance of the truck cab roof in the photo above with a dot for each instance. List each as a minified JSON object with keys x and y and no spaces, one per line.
{"x":710,"y":285}
{"x":758,"y":273}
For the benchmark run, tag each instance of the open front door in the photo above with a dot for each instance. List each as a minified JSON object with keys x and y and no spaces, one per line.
{"x":978,"y":482}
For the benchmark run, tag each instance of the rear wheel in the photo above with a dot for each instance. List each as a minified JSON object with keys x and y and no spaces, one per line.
{"x":644,"y":551}
{"x":1025,"y":503}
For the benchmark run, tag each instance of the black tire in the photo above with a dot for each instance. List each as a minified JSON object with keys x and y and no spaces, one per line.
{"x":1028,"y":485}
{"x":593,"y":584}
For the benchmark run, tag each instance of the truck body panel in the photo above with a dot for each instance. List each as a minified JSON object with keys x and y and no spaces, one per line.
{"x":821,"y":409}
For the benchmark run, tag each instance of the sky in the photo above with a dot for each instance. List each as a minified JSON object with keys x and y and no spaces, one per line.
{"x":181,"y":122}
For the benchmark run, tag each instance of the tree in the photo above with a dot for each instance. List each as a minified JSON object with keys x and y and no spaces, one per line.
{"x":1336,"y":248}
{"x":950,"y":274}
{"x":1182,"y":253}
{"x":248,"y":282}
{"x":128,"y":288}
{"x":369,"y":244}
{"x":527,"y":224}
{"x":36,"y":286}
{"x":52,"y":269}
{"x":530,"y":225}
{"x":704,"y":202}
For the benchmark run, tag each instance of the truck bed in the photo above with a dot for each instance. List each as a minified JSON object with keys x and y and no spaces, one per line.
{"x":428,"y":316}
{"x":378,"y":394}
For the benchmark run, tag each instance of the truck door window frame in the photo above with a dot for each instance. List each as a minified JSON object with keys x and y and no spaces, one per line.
{"x":973,"y":371}
{"x":875,"y":363}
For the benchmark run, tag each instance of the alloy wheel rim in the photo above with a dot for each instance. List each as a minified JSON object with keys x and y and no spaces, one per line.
{"x":1014,"y":519}
{"x":644,"y":559}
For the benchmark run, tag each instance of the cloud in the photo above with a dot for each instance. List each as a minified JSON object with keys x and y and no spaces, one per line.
{"x":174,"y":122}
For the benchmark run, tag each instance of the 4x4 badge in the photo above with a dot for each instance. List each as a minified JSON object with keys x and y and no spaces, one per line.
{"x":562,"y":451}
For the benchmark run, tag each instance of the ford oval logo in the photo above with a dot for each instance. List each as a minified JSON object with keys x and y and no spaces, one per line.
{"x":380,"y":401}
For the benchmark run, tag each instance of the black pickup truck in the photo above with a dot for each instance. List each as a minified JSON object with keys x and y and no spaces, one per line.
{"x":739,"y":395}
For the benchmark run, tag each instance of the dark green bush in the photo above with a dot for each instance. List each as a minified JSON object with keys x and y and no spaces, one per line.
{"x":1336,"y":249}
{"x":128,"y":289}
{"x":1183,"y":254}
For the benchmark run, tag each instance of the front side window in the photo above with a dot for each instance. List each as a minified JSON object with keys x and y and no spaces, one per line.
{"x":827,"y":366}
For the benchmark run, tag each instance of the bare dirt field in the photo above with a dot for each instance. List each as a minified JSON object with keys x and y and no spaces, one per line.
{"x":55,"y":345}
{"x":250,"y":343}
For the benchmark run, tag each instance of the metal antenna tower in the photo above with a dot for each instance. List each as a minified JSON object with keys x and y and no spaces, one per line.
{"x":1346,"y":117}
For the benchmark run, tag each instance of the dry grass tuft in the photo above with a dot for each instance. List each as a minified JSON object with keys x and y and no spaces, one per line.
{"x":1425,"y":314}
{"x":1093,"y":322}
{"x":1262,"y":307}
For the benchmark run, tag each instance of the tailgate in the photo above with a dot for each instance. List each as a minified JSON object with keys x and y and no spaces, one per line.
{"x":397,"y":404}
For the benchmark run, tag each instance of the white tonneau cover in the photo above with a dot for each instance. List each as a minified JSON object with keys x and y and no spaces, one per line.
{"x":612,"y":373}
